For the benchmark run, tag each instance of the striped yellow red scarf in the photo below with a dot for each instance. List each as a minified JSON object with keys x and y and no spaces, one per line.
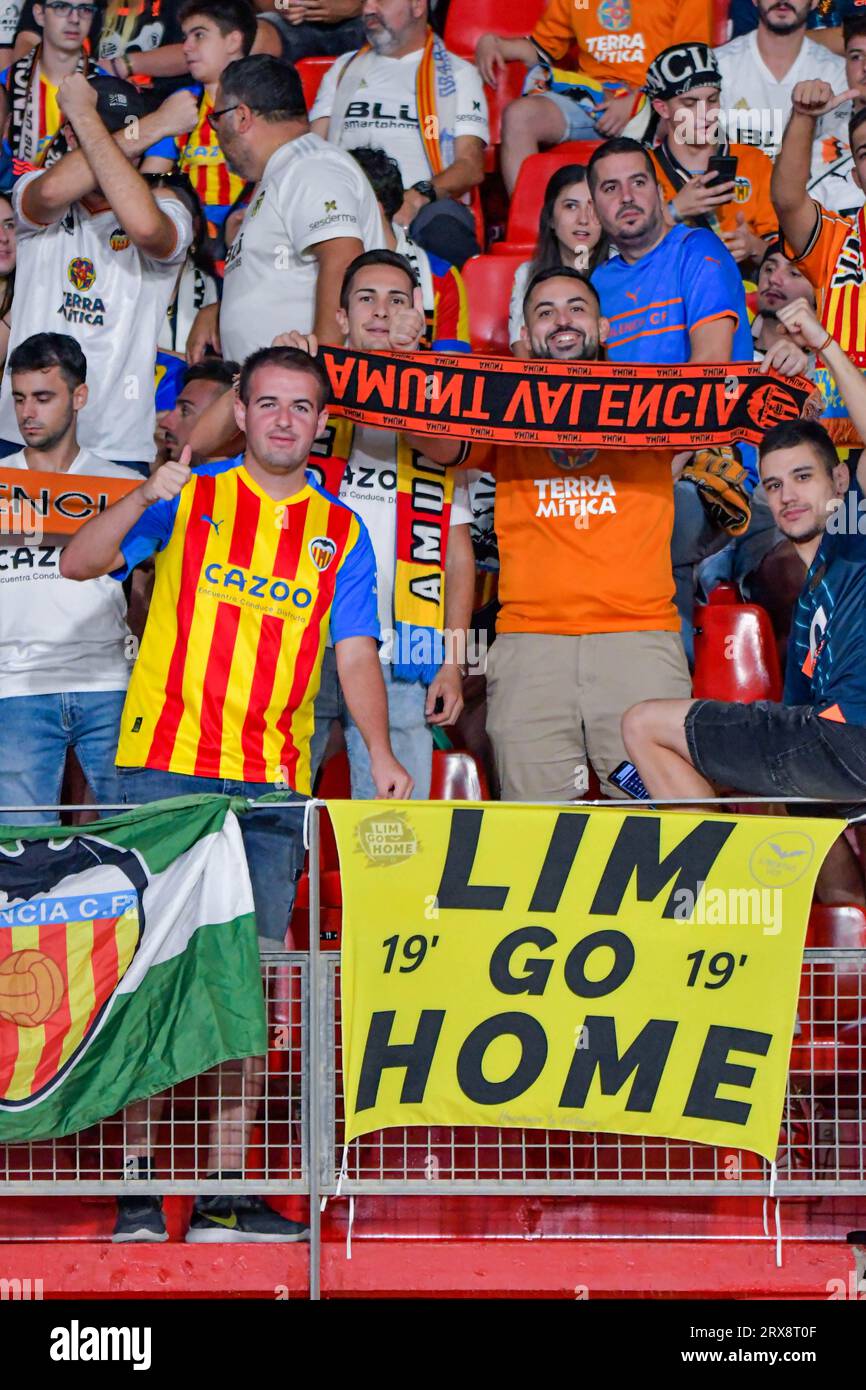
{"x":424,"y":493}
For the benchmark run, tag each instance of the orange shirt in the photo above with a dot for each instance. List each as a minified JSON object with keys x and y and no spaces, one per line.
{"x":751,"y":194}
{"x":833,"y":262}
{"x":618,"y":39}
{"x":583,"y":549}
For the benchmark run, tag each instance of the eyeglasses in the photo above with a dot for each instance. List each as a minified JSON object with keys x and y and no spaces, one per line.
{"x":215,"y":115}
{"x":64,"y":8}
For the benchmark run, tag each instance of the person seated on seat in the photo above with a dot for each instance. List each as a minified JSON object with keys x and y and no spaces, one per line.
{"x":404,"y":92}
{"x":569,"y":233}
{"x":812,"y":743}
{"x":614,"y":44}
{"x":684,"y":84}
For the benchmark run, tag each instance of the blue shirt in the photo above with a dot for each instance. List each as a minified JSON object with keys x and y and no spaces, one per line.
{"x":688,"y":279}
{"x":827,"y":652}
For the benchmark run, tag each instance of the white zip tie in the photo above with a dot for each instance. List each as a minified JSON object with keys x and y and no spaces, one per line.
{"x":344,"y":1171}
{"x":308,"y":811}
{"x":349,"y":1231}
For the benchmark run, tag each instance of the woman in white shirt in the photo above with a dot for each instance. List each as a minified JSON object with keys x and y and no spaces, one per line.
{"x":569,"y":233}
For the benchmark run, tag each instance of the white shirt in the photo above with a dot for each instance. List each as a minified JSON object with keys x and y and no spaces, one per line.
{"x":369,"y":487}
{"x":515,"y":308}
{"x":755,"y":106}
{"x":830,"y":180}
{"x":56,"y":634}
{"x":83,"y":276}
{"x":384,"y":111}
{"x":309,"y":192}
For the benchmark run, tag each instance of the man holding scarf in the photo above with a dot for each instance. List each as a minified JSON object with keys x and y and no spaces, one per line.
{"x":405,"y":93}
{"x":418,"y":519}
{"x":28,"y":87}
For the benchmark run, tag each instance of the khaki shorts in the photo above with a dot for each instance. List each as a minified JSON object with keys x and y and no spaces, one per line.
{"x":554,"y":703}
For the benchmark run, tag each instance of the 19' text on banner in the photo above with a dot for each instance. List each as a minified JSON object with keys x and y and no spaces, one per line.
{"x":599,"y":970}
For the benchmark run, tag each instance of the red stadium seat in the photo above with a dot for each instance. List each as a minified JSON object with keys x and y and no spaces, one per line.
{"x":527,"y":199}
{"x":457,"y":777}
{"x":508,"y":89}
{"x":311,"y":71}
{"x":488,"y":281}
{"x":720,"y":22}
{"x":838,"y":993}
{"x":735,"y":653}
{"x":469,"y":19}
{"x":725,"y":593}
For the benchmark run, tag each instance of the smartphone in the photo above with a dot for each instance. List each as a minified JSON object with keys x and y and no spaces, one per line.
{"x":627,"y":778}
{"x":724,"y":166}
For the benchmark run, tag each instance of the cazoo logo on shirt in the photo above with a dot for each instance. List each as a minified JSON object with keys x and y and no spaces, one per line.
{"x":577,"y":497}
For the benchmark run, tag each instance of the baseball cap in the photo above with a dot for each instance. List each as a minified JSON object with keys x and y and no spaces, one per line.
{"x":680,"y":68}
{"x":116,"y":101}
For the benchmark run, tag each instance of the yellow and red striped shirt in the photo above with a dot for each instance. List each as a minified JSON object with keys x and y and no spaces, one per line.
{"x":200,"y":157}
{"x":246,"y":590}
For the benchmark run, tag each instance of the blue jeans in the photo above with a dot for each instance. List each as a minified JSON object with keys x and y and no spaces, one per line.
{"x":411,"y":739}
{"x":37,"y":732}
{"x":273,"y":837}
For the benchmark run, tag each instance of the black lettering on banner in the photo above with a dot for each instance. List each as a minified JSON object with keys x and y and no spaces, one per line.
{"x":533,"y":1041}
{"x":536,"y":972}
{"x":714,"y":1070}
{"x":575,"y":972}
{"x":561,"y":852}
{"x":637,"y":850}
{"x":455,"y":890}
{"x":646,"y":1056}
{"x":380,"y":1054}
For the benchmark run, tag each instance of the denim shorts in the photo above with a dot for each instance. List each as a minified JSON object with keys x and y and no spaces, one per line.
{"x":579,"y":125}
{"x":778,"y":750}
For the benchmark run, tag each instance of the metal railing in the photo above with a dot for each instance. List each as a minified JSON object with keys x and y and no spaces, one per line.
{"x":296,"y":1145}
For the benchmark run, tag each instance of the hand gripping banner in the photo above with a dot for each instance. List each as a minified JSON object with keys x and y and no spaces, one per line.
{"x":599,"y":969}
{"x":562,"y":403}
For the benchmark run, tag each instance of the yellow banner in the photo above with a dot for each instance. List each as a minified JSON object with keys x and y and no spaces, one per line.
{"x":600,"y":969}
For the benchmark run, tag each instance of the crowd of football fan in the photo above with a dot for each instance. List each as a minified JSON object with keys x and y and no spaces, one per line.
{"x":179,"y":234}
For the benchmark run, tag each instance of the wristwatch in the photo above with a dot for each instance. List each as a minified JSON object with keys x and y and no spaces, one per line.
{"x":426,"y":189}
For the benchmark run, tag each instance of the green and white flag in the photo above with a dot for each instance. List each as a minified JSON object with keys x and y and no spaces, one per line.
{"x":128,"y":961}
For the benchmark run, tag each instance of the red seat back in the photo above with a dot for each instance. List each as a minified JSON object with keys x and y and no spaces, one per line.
{"x":725,"y":593}
{"x":311,"y":71}
{"x":457,"y":777}
{"x":469,"y":19}
{"x":527,"y":199}
{"x":488,"y":281}
{"x":735,"y":653}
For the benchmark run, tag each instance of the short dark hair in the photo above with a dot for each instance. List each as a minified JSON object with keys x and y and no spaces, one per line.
{"x":215,"y":369}
{"x":620,"y":144}
{"x":793,"y":432}
{"x":853,"y":28}
{"x":227,"y":15}
{"x":384,"y":174}
{"x":854,"y":124}
{"x":44,"y":350}
{"x":293,"y":360}
{"x":558,"y":272}
{"x":373,"y":258}
{"x":268,"y":86}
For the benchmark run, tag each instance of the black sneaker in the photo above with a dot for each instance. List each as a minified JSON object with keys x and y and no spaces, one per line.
{"x":139,"y":1218}
{"x":221,"y":1219}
